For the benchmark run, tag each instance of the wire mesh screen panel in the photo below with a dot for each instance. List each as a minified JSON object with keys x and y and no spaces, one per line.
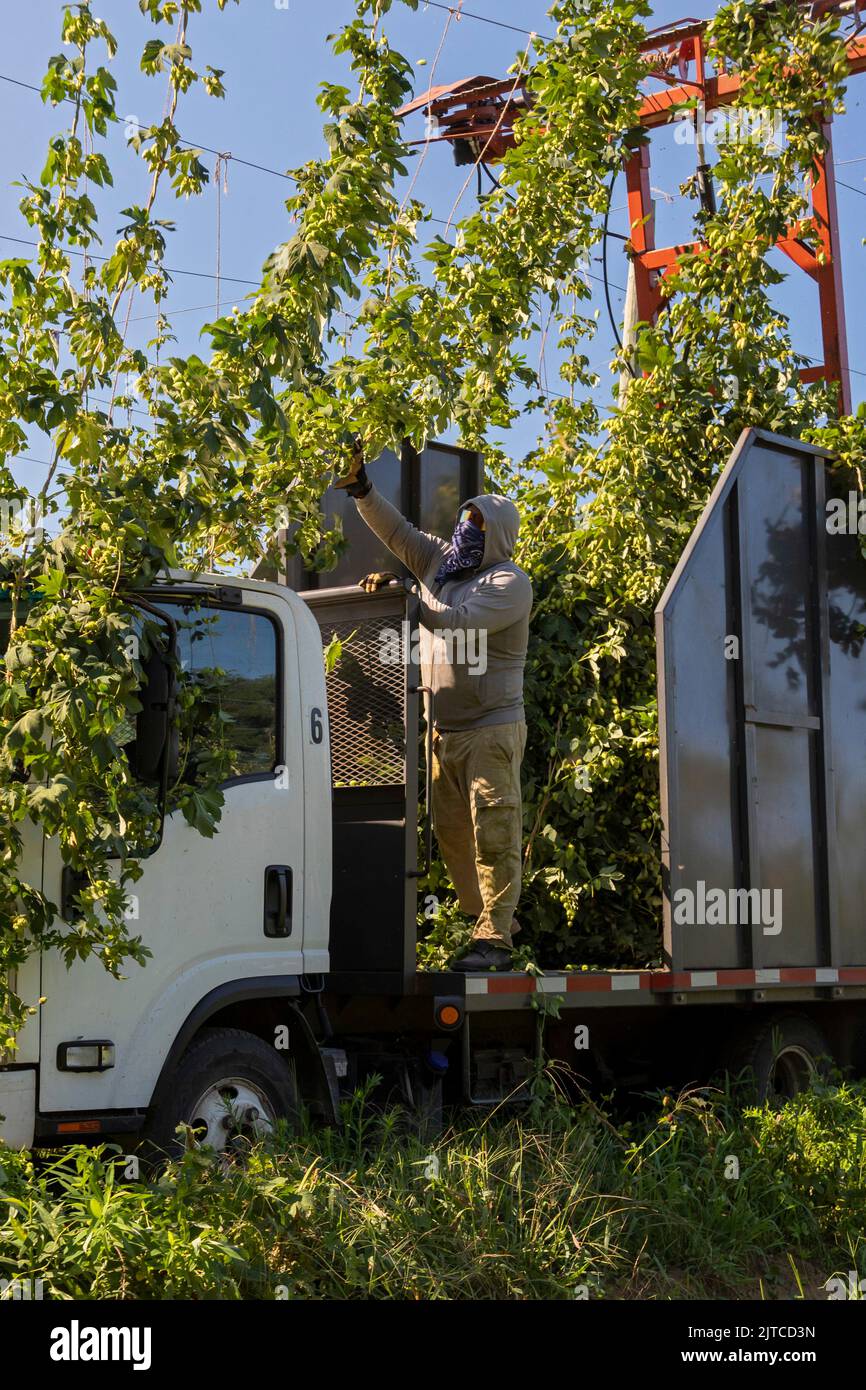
{"x":366,"y":701}
{"x":373,"y":728}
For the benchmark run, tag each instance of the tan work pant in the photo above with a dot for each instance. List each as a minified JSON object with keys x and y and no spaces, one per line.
{"x":478,"y":818}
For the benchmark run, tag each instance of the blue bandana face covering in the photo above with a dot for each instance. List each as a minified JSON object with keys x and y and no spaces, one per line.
{"x":466,"y":552}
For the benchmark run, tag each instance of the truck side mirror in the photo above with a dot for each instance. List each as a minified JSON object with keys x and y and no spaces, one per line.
{"x":155,"y":732}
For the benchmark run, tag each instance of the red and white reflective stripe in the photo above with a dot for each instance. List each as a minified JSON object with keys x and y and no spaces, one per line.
{"x":659,"y":981}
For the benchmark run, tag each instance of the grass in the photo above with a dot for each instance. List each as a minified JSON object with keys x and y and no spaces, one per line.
{"x":697,"y":1198}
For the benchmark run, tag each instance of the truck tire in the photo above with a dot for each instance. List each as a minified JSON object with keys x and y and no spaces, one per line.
{"x":780,"y":1057}
{"x":230,"y":1087}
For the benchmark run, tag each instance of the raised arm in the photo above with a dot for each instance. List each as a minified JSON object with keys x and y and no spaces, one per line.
{"x":416,"y":549}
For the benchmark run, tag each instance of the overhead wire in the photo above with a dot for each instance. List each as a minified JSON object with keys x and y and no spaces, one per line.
{"x":191,"y":144}
{"x":486,"y":19}
{"x":169,"y":270}
{"x":840,"y":184}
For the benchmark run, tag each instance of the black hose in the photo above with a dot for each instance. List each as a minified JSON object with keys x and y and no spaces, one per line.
{"x":605,"y":235}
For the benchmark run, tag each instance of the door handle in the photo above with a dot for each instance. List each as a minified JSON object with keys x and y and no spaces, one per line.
{"x":278,"y":900}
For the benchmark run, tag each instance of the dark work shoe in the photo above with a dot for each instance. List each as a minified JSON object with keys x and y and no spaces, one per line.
{"x":484,"y":955}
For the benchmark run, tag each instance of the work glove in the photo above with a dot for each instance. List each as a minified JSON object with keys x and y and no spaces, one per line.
{"x":371,"y":582}
{"x":356,"y":482}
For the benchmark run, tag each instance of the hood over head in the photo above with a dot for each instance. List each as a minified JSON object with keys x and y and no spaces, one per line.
{"x":501,"y":523}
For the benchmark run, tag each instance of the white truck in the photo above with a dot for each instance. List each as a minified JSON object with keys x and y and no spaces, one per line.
{"x":283,"y":948}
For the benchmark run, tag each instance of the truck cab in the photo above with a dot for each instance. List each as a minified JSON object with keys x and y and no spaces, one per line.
{"x":242,"y":914}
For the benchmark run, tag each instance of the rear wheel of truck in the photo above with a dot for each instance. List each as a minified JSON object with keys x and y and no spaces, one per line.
{"x":230,"y":1088}
{"x":780,"y":1057}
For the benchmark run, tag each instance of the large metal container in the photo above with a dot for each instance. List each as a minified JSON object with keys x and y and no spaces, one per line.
{"x":762,"y":708}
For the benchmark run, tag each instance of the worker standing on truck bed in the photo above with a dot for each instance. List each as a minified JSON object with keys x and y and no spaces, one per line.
{"x":473,"y":598}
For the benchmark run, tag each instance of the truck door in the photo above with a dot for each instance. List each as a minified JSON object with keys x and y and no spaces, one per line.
{"x":212,"y":910}
{"x":18,"y":1067}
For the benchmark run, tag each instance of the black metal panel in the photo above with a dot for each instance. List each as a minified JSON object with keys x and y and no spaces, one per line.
{"x":781,"y":622}
{"x":778,"y":588}
{"x":761,"y":707}
{"x":446,"y":477}
{"x":373,"y":727}
{"x":846,"y":712}
{"x":369,"y":883}
{"x":698,"y":754}
{"x":427,"y":487}
{"x":365,"y":553}
{"x":785,"y":849}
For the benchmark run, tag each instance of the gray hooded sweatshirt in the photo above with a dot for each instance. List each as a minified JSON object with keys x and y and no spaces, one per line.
{"x":474,"y":625}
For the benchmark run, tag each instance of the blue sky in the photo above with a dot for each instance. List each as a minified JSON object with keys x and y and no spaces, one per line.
{"x":274,"y":56}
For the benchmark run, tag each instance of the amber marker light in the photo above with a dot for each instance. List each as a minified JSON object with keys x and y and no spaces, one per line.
{"x":448,"y":1015}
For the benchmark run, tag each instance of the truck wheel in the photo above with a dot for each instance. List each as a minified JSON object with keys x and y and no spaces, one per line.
{"x":230,"y":1087}
{"x":783,"y":1056}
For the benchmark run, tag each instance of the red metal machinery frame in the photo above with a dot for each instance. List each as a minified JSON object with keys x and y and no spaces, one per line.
{"x":477,"y":116}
